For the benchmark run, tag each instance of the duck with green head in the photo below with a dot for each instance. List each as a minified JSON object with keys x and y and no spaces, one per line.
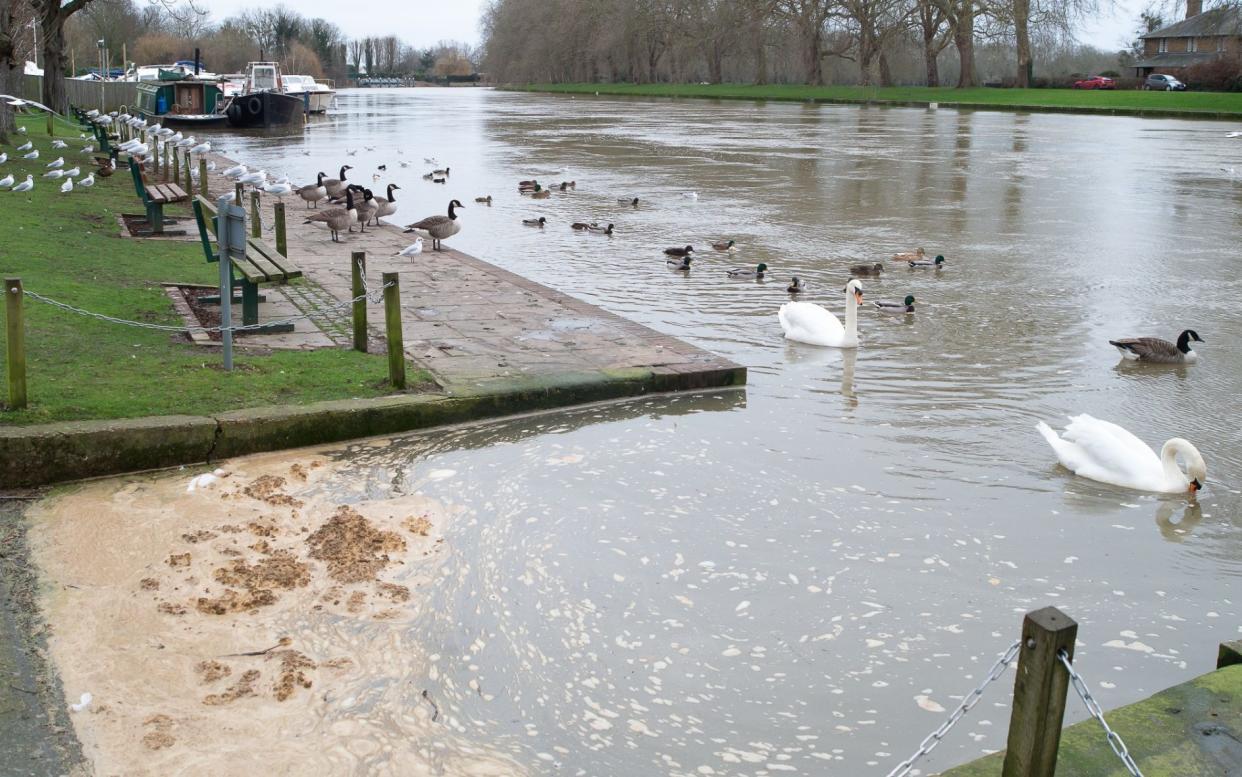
{"x":937,"y":262}
{"x":742,"y":272}
{"x":896,"y":307}
{"x":678,"y":262}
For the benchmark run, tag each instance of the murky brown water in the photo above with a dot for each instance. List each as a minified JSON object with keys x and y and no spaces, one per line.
{"x":791,"y":578}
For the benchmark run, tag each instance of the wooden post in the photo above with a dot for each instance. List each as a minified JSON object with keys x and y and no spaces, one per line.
{"x":15,"y":337}
{"x":392,"y":328}
{"x":155,"y":155}
{"x":168,"y":158}
{"x":51,"y":123}
{"x":282,"y":241}
{"x":202,"y":176}
{"x":239,"y":191}
{"x":1039,"y":694}
{"x":176,"y":168}
{"x":358,"y":271}
{"x":256,"y":226}
{"x":189,"y":179}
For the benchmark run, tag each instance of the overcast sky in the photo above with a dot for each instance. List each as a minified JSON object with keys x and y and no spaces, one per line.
{"x":422,"y":23}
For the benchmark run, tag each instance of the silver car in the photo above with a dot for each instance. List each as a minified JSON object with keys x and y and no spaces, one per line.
{"x":1163,"y":83}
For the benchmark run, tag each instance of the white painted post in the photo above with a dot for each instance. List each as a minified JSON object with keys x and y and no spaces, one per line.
{"x":231,"y":234}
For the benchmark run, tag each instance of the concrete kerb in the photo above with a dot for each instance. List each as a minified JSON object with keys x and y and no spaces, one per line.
{"x":54,"y":453}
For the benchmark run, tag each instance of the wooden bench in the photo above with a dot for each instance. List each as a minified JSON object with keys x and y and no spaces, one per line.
{"x":261,"y":264}
{"x":154,"y":197}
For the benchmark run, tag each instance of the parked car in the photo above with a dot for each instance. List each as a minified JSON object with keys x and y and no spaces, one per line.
{"x":1096,"y":82}
{"x":1163,"y":83}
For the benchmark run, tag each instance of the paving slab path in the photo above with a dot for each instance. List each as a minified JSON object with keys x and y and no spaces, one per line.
{"x":472,"y":324}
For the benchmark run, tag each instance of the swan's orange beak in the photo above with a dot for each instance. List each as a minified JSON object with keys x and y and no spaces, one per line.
{"x":858,"y":296}
{"x":1195,"y":485}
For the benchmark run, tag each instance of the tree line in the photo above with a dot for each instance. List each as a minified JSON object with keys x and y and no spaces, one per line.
{"x":868,"y":42}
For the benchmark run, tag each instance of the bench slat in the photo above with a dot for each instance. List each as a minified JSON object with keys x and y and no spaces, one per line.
{"x":286,"y":268}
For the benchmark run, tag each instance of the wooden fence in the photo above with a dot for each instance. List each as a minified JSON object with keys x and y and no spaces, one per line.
{"x":87,"y":94}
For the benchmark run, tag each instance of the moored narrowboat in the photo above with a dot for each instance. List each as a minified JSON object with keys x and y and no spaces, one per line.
{"x":185,"y":102}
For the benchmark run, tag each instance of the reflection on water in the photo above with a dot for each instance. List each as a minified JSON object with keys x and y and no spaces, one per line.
{"x":798,"y":575}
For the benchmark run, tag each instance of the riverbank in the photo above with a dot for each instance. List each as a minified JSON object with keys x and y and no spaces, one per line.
{"x":1212,"y":105}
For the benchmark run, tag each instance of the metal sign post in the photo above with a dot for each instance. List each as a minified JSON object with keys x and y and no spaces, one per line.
{"x":231,"y":233}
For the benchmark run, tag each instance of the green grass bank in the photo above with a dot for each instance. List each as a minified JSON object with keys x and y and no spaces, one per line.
{"x":68,"y":247}
{"x":1126,"y":102}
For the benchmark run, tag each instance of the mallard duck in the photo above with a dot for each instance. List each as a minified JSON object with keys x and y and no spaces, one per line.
{"x":337,"y":219}
{"x":566,"y":185}
{"x":439,"y":227}
{"x":679,"y":251}
{"x":386,"y":206}
{"x":678,"y":263}
{"x":910,"y":256}
{"x":484,"y":200}
{"x":531,"y":182}
{"x":542,"y":195}
{"x":334,"y":186}
{"x":313,"y":192}
{"x":628,"y":201}
{"x":939,"y":260}
{"x":723,"y":246}
{"x":598,"y":230}
{"x":527,"y":188}
{"x":896,"y":307}
{"x":867,"y":269}
{"x":1157,"y":351}
{"x":796,"y":286}
{"x":539,"y":222}
{"x":743,"y":272}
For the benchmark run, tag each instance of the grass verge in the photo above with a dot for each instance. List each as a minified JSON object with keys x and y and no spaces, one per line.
{"x":67,"y":246}
{"x":1211,"y":104}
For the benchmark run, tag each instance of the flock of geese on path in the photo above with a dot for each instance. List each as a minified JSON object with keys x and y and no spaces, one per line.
{"x":1088,"y":446}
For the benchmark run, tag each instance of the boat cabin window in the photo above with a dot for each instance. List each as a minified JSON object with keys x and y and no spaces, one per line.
{"x":263,"y":78}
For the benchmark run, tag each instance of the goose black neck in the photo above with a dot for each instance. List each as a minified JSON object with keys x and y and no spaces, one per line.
{"x":452,"y":213}
{"x":391,"y":197}
{"x":1183,"y":342}
{"x":349,"y":200}
{"x":343,"y":172}
{"x":319,"y":181}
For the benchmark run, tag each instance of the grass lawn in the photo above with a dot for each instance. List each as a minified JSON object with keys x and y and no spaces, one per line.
{"x":1127,"y":101}
{"x":67,"y":246}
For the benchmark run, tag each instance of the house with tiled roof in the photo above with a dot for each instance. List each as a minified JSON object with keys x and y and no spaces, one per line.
{"x":1199,"y":38}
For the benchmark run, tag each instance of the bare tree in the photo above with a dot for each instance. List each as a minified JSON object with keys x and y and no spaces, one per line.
{"x":14,"y":17}
{"x":52,"y":16}
{"x":935,"y":36}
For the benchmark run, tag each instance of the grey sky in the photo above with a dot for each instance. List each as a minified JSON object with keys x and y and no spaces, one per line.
{"x":424,"y":22}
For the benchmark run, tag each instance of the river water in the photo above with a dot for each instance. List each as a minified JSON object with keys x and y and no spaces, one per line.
{"x":798,"y":576}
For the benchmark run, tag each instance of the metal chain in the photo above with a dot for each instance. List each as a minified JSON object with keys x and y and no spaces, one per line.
{"x":971,"y":699}
{"x":1093,"y":707}
{"x":207,"y":329}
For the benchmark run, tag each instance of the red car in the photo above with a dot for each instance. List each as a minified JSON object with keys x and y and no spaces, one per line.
{"x":1096,"y":82}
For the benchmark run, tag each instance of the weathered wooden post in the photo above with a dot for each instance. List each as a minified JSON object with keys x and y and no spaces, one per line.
{"x":1039,"y":694}
{"x":155,"y":155}
{"x":256,"y":225}
{"x":176,"y":167}
{"x":282,"y":240}
{"x":202,"y":176}
{"x":392,"y":329}
{"x":15,"y":337}
{"x":168,"y":159}
{"x":189,"y":179}
{"x":239,"y":192}
{"x":51,"y":123}
{"x":358,"y":269}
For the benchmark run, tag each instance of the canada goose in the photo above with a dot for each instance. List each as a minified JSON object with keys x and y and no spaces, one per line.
{"x":439,"y":227}
{"x":539,"y":222}
{"x":917,"y":255}
{"x":25,"y":185}
{"x":938,"y":261}
{"x":365,"y":209}
{"x":598,"y":230}
{"x":333,"y":186}
{"x":337,"y":219}
{"x":628,"y":201}
{"x":485,"y":200}
{"x":678,"y":263}
{"x":867,"y":269}
{"x":428,"y":176}
{"x":906,"y":306}
{"x":386,"y":206}
{"x":742,"y":272}
{"x":313,"y":192}
{"x":543,"y":195}
{"x":382,"y":168}
{"x":439,"y":180}
{"x":679,"y":251}
{"x":723,"y":246}
{"x":1157,"y":351}
{"x":795,"y":286}
{"x":445,"y":171}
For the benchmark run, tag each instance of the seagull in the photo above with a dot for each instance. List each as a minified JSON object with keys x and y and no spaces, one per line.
{"x":32,"y":155}
{"x":67,"y":186}
{"x":21,"y":130}
{"x":1234,"y":135}
{"x":413,"y":248}
{"x":73,"y":172}
{"x":690,"y":195}
{"x":25,"y":146}
{"x":278,"y":189}
{"x":256,"y":178}
{"x":88,"y":150}
{"x":54,"y":174}
{"x":4,"y":158}
{"x":351,"y":153}
{"x":201,"y":148}
{"x":87,"y":181}
{"x":7,"y":181}
{"x":25,"y":185}
{"x":58,"y":143}
{"x":235,"y":172}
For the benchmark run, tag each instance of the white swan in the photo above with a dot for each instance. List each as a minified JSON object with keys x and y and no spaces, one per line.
{"x":1103,"y":451}
{"x":806,"y":322}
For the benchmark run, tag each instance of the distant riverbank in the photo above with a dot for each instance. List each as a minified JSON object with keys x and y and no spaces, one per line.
{"x":1219,"y":105}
